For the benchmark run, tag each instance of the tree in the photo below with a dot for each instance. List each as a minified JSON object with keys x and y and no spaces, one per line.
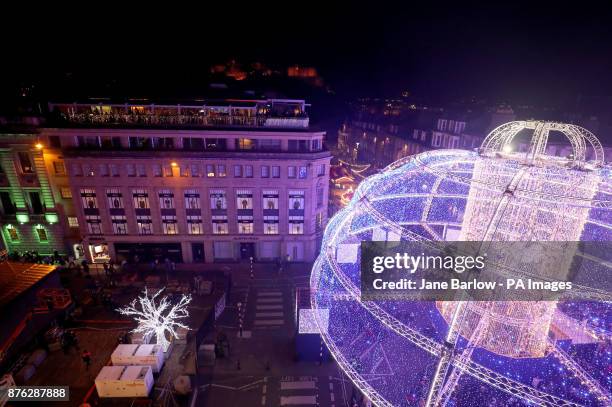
{"x":158,"y":316}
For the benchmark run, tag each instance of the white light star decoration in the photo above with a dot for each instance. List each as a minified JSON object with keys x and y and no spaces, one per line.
{"x":158,"y":316}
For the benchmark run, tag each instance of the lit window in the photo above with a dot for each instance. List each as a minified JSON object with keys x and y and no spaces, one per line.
{"x":42,"y":234}
{"x":291,"y":172}
{"x":296,"y":200}
{"x":114,"y":198}
{"x":210,"y":170}
{"x":141,"y":199}
{"x":169,"y":225}
{"x":221,"y":171}
{"x":194,"y":225}
{"x":244,"y":199}
{"x":144,"y":224}
{"x":271,"y":225}
{"x":270,"y":200}
{"x":119,"y":224}
{"x":73,"y":222}
{"x":296,"y":225}
{"x":59,"y":168}
{"x":94,"y":224}
{"x":185,"y":171}
{"x":217,"y":199}
{"x":66,"y":192}
{"x":12,"y":232}
{"x":245,"y":225}
{"x":88,"y":198}
{"x":192,"y":199}
{"x":219,"y":224}
{"x":166,"y":199}
{"x":265,"y":171}
{"x":26,"y":163}
{"x":303,"y":173}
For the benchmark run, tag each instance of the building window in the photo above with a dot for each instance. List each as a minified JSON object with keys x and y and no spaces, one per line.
{"x":320,"y":170}
{"x":66,"y":192}
{"x":248,"y":171}
{"x":114,"y":198}
{"x":141,"y":199}
{"x":316,"y":145}
{"x":265,"y":171}
{"x":168,"y":171}
{"x":237,"y":171}
{"x":59,"y":168}
{"x":192,"y":199}
{"x":245,"y":225}
{"x":270,"y":200}
{"x":77,"y":170}
{"x":131,"y":170}
{"x":217,"y":199}
{"x":195,"y":170}
{"x":144,"y":224}
{"x":194,"y":225}
{"x":296,"y":200}
{"x":275,"y":171}
{"x":104,"y":170}
{"x":12,"y":232}
{"x":219,"y":224}
{"x":88,"y":170}
{"x":73,"y":222}
{"x":119,"y":224}
{"x":320,"y":195}
{"x":303,"y":174}
{"x":244,"y":199}
{"x":271,"y":225}
{"x":221,"y":170}
{"x":245,"y":144}
{"x":319,"y":222}
{"x":296,"y":225}
{"x":26,"y":163}
{"x":169,"y":225}
{"x":291,"y":172}
{"x":185,"y":171}
{"x":42,"y":234}
{"x":210,"y":170}
{"x":88,"y":198}
{"x":166,"y":199}
{"x":140,"y":170}
{"x":94,"y":224}
{"x":114,"y":170}
{"x":157,"y":170}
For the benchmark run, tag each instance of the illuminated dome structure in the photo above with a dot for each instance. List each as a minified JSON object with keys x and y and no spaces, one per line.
{"x":465,"y":353}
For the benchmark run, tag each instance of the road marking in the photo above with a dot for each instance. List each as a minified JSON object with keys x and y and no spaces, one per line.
{"x":298,"y":400}
{"x":269,"y":300}
{"x":269,"y":294}
{"x":268,"y":314}
{"x":302,"y":384}
{"x":268,"y":307}
{"x":269,"y":322}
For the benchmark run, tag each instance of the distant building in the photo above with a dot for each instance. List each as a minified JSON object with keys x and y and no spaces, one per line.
{"x":219,"y":181}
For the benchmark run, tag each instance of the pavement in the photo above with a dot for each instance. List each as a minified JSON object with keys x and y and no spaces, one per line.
{"x":261,"y":368}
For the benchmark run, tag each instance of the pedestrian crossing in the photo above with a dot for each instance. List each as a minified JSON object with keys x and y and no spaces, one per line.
{"x":269,"y":309}
{"x":302,"y":392}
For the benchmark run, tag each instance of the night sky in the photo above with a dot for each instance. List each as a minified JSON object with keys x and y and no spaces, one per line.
{"x":523,"y":53}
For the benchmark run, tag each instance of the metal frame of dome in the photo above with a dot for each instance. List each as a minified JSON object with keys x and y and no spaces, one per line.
{"x":450,"y":365}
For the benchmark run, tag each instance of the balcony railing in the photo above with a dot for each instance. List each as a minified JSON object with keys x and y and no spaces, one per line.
{"x":154,"y":120}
